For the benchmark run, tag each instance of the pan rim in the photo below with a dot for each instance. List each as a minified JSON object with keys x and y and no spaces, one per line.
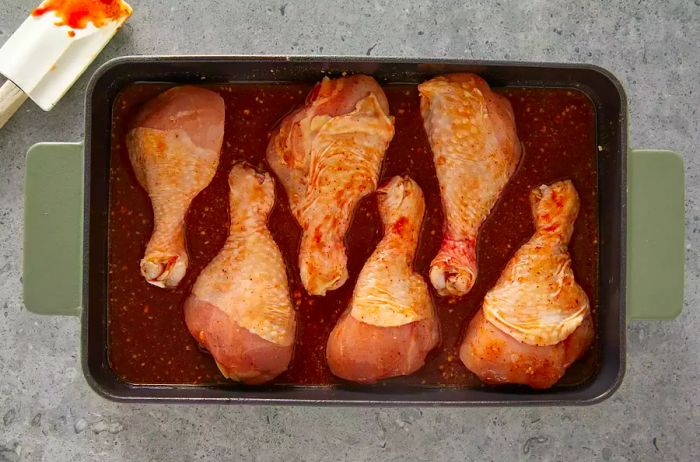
{"x":125,"y":393}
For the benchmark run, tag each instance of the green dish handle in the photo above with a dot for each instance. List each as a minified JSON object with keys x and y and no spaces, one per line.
{"x":655,"y":234}
{"x":53,"y":232}
{"x":52,"y":270}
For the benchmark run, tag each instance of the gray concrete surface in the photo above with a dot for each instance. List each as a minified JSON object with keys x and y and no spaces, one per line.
{"x":47,"y":410}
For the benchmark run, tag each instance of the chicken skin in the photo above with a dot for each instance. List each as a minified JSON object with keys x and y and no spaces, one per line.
{"x":328,"y":155}
{"x":536,"y":321}
{"x":174,"y":147}
{"x":475,"y":148}
{"x":390,"y":325}
{"x":240,"y":309}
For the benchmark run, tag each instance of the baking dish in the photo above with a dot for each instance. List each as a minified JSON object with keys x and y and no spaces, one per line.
{"x":641,"y":224}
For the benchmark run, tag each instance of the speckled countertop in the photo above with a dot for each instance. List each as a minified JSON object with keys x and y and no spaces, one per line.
{"x":49,"y":413}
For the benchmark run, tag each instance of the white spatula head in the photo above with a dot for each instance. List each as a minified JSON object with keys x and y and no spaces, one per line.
{"x":56,"y":43}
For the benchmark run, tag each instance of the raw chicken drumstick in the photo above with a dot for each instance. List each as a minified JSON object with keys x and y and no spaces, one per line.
{"x":174,"y":146}
{"x":536,"y":320}
{"x":240,"y":308}
{"x":327,"y":155}
{"x":476,"y":150}
{"x":390,"y":325}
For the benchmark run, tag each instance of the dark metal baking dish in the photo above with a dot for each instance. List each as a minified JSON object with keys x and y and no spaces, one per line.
{"x":57,"y":174}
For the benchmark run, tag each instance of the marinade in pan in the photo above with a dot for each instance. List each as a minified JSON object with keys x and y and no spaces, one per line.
{"x":148,"y":340}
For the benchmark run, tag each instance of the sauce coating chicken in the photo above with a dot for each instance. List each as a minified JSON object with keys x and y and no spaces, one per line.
{"x":174,"y":146}
{"x":240,"y":309}
{"x":475,"y":148}
{"x":390,"y":325}
{"x":535,"y":322}
{"x":328,"y":155}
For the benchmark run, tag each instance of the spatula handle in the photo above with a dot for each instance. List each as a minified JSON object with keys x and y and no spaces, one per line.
{"x":11,"y":98}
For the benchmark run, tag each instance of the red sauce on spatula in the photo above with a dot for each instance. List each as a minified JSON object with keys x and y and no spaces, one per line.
{"x":78,"y":13}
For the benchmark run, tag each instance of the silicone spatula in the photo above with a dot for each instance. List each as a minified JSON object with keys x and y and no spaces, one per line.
{"x":53,"y":47}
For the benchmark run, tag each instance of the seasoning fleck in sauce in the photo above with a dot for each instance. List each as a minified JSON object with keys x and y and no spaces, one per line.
{"x":78,"y":13}
{"x":148,"y":340}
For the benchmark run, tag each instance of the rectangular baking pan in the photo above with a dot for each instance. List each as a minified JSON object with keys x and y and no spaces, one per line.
{"x":66,"y":225}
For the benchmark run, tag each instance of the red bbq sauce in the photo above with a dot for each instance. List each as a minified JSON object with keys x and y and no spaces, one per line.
{"x":148,"y":340}
{"x":78,"y":13}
